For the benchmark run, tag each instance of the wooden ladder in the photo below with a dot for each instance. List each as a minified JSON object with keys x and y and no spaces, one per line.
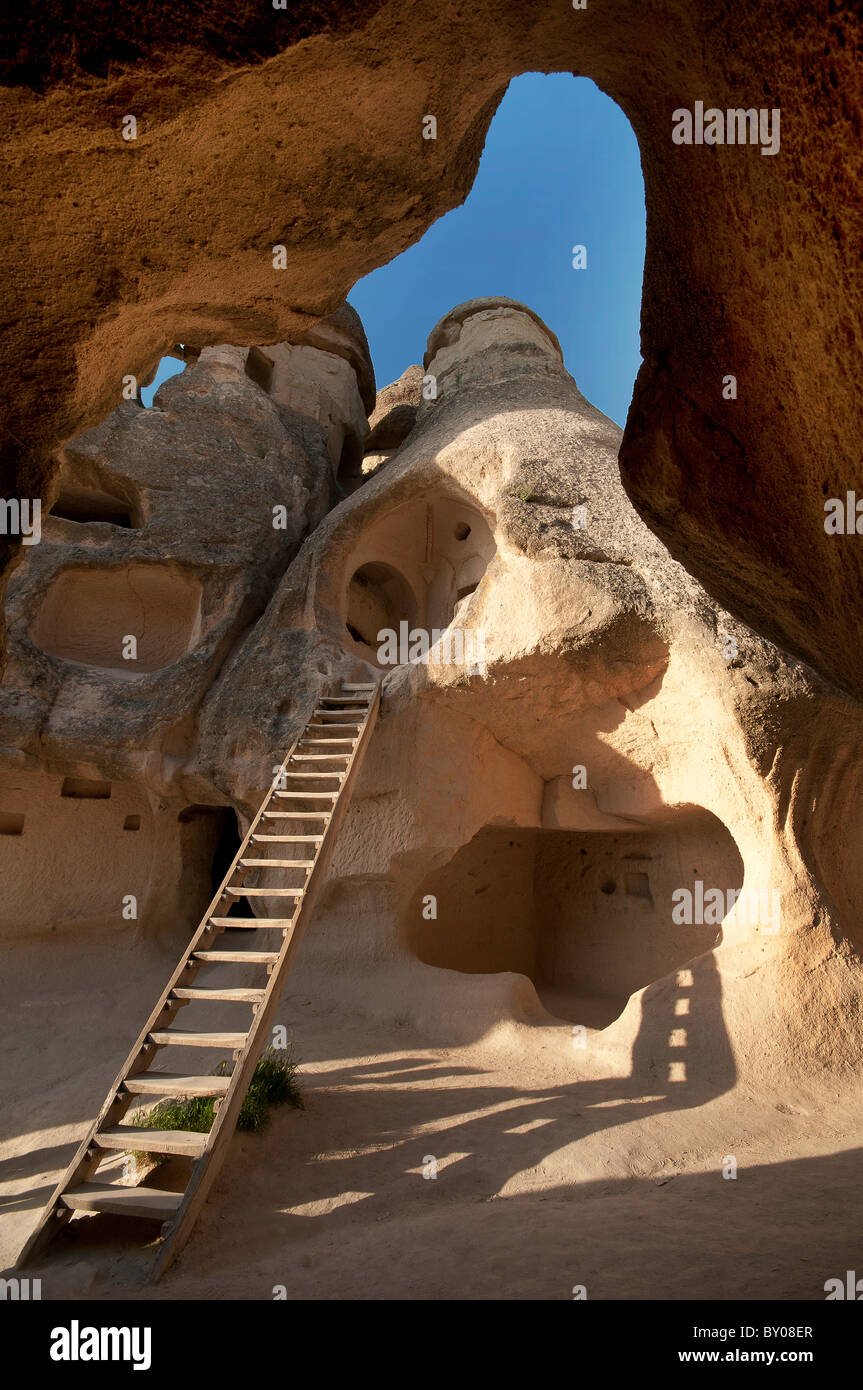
{"x":302,"y":795}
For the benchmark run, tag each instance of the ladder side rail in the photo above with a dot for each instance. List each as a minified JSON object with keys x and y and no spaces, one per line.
{"x":207,"y":1169}
{"x":86,"y":1161}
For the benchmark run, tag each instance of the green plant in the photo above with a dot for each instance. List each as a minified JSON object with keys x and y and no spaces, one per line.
{"x":274,"y":1082}
{"x":524,"y":491}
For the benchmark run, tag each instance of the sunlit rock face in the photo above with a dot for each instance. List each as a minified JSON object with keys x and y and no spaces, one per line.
{"x":576,"y":803}
{"x":326,"y":376}
{"x":592,"y":799}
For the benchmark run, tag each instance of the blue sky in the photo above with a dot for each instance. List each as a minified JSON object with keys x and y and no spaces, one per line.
{"x":169,"y":366}
{"x":560,"y":168}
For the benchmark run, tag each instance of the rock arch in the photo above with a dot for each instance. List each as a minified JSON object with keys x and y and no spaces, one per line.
{"x":714,"y":301}
{"x":437,"y":547}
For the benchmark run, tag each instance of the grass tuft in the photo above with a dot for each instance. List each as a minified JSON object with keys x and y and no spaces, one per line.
{"x":274,"y":1082}
{"x":523,"y":491}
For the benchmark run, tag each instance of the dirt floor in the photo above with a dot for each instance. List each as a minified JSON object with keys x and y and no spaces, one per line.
{"x":543,"y":1182}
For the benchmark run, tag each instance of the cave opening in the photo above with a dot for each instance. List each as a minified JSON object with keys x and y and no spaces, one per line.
{"x":438,"y":549}
{"x":128,"y":619}
{"x":586,"y":916}
{"x":85,"y":789}
{"x":349,"y":474}
{"x":259,"y":368}
{"x":379,"y":598}
{"x":210,"y":837}
{"x":84,"y":505}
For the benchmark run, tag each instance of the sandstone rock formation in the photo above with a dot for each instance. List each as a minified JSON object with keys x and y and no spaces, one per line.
{"x":602,"y":844}
{"x":393,"y":418}
{"x":119,"y":248}
{"x":622,"y":739}
{"x":169,"y":530}
{"x":589,"y":736}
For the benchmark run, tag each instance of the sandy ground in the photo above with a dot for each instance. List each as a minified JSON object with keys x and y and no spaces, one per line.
{"x":544,"y":1182}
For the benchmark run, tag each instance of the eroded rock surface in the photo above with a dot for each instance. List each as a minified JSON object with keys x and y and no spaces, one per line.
{"x":605,"y":738}
{"x":118,"y":249}
{"x":170,"y":529}
{"x":584,"y":738}
{"x":393,"y":418}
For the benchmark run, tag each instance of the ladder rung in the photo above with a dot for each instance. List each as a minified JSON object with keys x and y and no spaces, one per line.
{"x":320,"y":776}
{"x":353,"y":721}
{"x":346,"y":686}
{"x":307,"y":796}
{"x":346,"y":744}
{"x":325,"y":743}
{"x":288,"y":840}
{"x":265,"y":892}
{"x":316,"y":758}
{"x":297,"y":815}
{"x":137,"y":1139}
{"x":331,"y":724}
{"x":277,"y":863}
{"x":232,"y":957}
{"x":168,"y":1083}
{"x":146,"y":1202}
{"x":183,"y":1038}
{"x":235,"y":996}
{"x":268,"y":923}
{"x":340,"y":700}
